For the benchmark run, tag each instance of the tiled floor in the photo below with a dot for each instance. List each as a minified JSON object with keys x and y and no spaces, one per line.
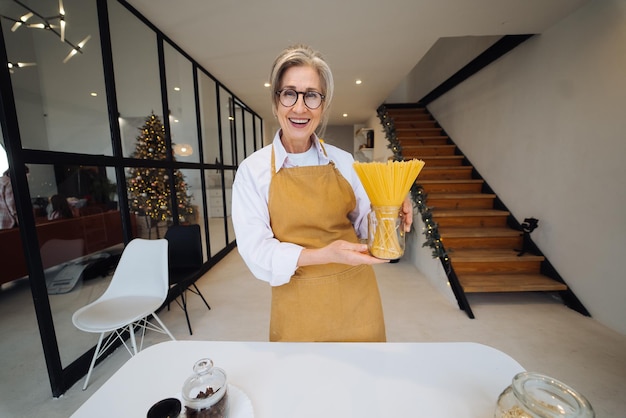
{"x":535,"y":329}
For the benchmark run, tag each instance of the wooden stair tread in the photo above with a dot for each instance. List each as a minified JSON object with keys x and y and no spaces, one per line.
{"x":495,"y":255}
{"x":461,"y":196}
{"x":484,"y":283}
{"x":430,"y":145}
{"x":454,"y":167}
{"x":446,"y":213}
{"x":465,"y":181}
{"x":442,"y":157}
{"x":419,"y":129}
{"x":466,"y":232}
{"x":428,"y":137}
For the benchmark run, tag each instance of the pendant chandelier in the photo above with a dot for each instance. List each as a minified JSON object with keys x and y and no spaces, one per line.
{"x":54,"y":24}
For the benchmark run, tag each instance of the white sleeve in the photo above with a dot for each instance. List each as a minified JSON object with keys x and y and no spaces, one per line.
{"x":267,"y":258}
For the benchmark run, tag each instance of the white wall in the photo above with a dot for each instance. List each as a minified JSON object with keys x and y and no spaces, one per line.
{"x":341,"y":136}
{"x":546,"y":126}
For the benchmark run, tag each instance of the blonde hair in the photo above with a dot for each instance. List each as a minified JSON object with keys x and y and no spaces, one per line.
{"x":297,"y":56}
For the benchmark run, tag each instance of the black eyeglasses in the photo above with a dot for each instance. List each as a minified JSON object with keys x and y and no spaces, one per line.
{"x":289,"y":97}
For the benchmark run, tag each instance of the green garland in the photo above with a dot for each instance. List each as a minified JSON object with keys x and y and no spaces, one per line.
{"x":431,"y":230}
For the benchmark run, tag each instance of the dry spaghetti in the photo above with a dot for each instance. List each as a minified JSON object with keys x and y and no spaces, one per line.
{"x":387,"y":185}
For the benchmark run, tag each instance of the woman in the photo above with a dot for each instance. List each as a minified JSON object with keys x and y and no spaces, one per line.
{"x":60,"y":209}
{"x":299,"y":210}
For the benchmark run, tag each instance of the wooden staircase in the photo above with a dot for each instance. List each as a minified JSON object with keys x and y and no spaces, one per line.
{"x":482,"y":246}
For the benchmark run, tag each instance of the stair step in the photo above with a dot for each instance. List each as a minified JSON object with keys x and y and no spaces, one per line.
{"x":417,"y":132}
{"x":495,"y":261}
{"x":461,"y":200}
{"x":493,"y":255}
{"x":456,"y":238}
{"x":411,"y":117}
{"x":425,"y":140}
{"x":431,"y":149}
{"x":415,"y":124}
{"x":470,"y":217}
{"x":412,"y":111}
{"x":451,"y":186}
{"x":461,"y":232}
{"x":483,"y":283}
{"x":445,"y":173}
{"x":435,"y":160}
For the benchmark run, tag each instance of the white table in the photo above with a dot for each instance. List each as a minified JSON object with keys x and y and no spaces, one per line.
{"x":300,"y":380}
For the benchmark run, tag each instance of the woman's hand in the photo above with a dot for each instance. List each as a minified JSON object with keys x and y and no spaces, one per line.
{"x":342,"y":252}
{"x":407,"y":213}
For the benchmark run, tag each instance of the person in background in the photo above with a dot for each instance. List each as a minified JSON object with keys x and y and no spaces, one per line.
{"x":8,"y":212}
{"x":299,"y":212}
{"x":60,"y":209}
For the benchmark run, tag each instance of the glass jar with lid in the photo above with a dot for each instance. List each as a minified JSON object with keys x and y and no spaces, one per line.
{"x":205,"y":392}
{"x":533,"y":395}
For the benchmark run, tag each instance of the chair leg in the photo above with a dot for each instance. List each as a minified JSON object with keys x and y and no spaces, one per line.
{"x":93,"y":360}
{"x":133,"y":342}
{"x":197,"y":292}
{"x":167,"y":331}
{"x":183,"y":305}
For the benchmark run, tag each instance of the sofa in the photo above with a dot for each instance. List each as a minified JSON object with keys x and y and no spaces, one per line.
{"x":61,"y":241}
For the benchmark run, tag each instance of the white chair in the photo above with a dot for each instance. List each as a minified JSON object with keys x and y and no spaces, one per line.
{"x":138,"y":288}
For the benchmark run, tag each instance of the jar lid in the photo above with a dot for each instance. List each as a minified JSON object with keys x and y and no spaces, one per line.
{"x":547,"y":397}
{"x":206,"y":386}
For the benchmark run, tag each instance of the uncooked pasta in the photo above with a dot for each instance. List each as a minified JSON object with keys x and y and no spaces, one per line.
{"x":387,"y":185}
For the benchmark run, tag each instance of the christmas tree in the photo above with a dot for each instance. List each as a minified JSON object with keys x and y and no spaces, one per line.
{"x":148,"y":187}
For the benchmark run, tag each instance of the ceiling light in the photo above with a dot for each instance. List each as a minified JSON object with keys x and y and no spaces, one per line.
{"x":93,"y":94}
{"x":345,"y":115}
{"x":13,"y":65}
{"x":358,"y":81}
{"x":266,"y":84}
{"x":183,"y":150}
{"x":176,"y":88}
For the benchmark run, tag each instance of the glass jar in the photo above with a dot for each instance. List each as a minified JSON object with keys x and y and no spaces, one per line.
{"x":533,"y":395}
{"x":385,"y":232}
{"x":205,"y":392}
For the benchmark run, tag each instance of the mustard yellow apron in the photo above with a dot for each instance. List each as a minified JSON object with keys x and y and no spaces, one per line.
{"x":309,"y":206}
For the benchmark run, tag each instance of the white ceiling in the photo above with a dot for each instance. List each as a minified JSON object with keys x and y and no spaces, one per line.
{"x":377,"y":41}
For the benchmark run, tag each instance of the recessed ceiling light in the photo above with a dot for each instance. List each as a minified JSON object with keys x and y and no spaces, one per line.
{"x":93,"y":94}
{"x":266,"y":84}
{"x":358,"y":81}
{"x":345,"y":115}
{"x":176,"y":88}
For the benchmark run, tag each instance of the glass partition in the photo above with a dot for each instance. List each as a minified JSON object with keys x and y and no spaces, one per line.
{"x":60,"y":97}
{"x":227,"y":117}
{"x":136,"y":67}
{"x":248,"y":140}
{"x":258,"y":132}
{"x":229,"y":177}
{"x":194,"y":202}
{"x":79,"y":230}
{"x":62,"y":109}
{"x":240,"y":134}
{"x":182,"y":106}
{"x":208,"y":117}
